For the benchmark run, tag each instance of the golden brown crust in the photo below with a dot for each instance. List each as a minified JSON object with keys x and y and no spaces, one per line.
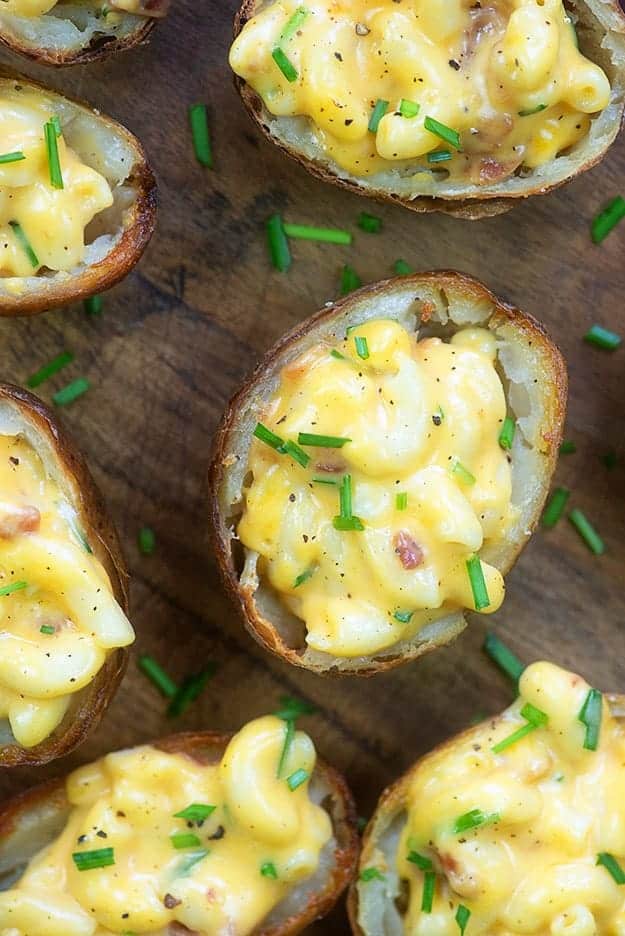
{"x":92,"y":701}
{"x":243,"y":596}
{"x":139,"y":224}
{"x":207,"y":747}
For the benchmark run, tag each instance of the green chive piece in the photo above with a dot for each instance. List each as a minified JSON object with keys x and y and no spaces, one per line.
{"x":268,"y":870}
{"x":146,"y":541}
{"x":568,"y":448}
{"x":555,"y":507}
{"x":590,"y":717}
{"x":442,"y":132}
{"x":24,"y":243}
{"x":534,"y":715}
{"x":90,"y":860}
{"x":304,"y":576}
{"x":463,"y":915}
{"x":157,"y":675}
{"x":293,"y":708}
{"x":284,"y":64}
{"x":295,"y":452}
{"x":401,"y":500}
{"x":403,"y":616}
{"x":293,"y":24}
{"x":478,"y":585}
{"x":200,"y":134}
{"x":534,"y":718}
{"x":296,"y":779}
{"x":326,"y":235}
{"x":610,"y":459}
{"x":48,"y":370}
{"x":415,"y":858}
{"x":349,"y":280}
{"x":439,"y":156}
{"x":337,"y":354}
{"x":463,"y":474}
{"x":185,"y":840}
{"x":278,"y":244}
{"x":47,"y":629}
{"x":473,"y":820}
{"x":54,"y":162}
{"x":56,"y":123}
{"x":71,"y":392}
{"x":190,"y":690}
{"x":268,"y":437}
{"x":611,"y":865}
{"x":190,"y":860}
{"x":196,"y":812}
{"x":377,"y":114}
{"x":93,"y":305}
{"x":532,"y":110}
{"x":371,"y":874}
{"x":602,"y":338}
{"x":13,"y":587}
{"x":607,"y":219}
{"x":362,"y":348}
{"x":429,"y":886}
{"x":587,"y":532}
{"x":409,"y":109}
{"x":402,"y":268}
{"x":11,"y":157}
{"x":348,"y":523}
{"x":505,"y":659}
{"x":506,"y":436}
{"x":286,"y":747}
{"x":325,"y":441}
{"x":319,"y":480}
{"x":369,"y":223}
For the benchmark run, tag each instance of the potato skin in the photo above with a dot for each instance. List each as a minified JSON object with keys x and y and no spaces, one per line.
{"x":207,"y":747}
{"x":95,"y":51}
{"x":93,"y":700}
{"x":138,"y":228}
{"x":262,"y":629}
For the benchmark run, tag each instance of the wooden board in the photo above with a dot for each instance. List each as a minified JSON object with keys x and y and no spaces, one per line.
{"x":178,"y":336}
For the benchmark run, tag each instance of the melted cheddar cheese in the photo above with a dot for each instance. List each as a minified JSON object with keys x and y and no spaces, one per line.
{"x":107,"y":11}
{"x":260,"y":841}
{"x":552,"y":810}
{"x":506,"y":76}
{"x":428,"y":479}
{"x":52,"y":220}
{"x":58,"y":617}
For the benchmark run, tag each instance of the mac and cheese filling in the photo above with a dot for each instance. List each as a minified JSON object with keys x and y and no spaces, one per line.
{"x":48,"y":195}
{"x":156,"y":842}
{"x":376,"y":476}
{"x":108,"y":12}
{"x":518,"y":826}
{"x":58,"y":617}
{"x":478,"y":90}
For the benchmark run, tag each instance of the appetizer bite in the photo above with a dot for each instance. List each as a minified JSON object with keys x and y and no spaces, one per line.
{"x":381,"y":470}
{"x":77,"y":199}
{"x":449,"y":106}
{"x":63,"y":590}
{"x":514,"y":826}
{"x":197,"y":834}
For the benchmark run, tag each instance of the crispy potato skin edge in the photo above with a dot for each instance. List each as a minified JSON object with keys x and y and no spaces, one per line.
{"x":94,"y":698}
{"x":94,"y":52}
{"x":209,"y":746}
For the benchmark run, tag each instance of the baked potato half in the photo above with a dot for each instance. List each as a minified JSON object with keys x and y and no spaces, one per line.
{"x":31,"y":821}
{"x":101,"y":206}
{"x":50,"y":505}
{"x":395,"y":440}
{"x":548,"y":757}
{"x":518,"y":103}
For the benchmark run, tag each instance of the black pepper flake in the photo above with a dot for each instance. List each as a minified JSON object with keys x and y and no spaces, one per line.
{"x":337,"y":55}
{"x":349,"y":122}
{"x":436,"y":419}
{"x":14,"y":460}
{"x":454,"y":64}
{"x":362,"y":30}
{"x":217,"y":834}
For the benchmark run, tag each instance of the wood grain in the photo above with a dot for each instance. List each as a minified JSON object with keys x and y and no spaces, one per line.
{"x":179,"y":334}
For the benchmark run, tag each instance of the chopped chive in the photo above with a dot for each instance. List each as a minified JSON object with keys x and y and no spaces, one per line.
{"x":292,"y":708}
{"x":590,"y":717}
{"x":439,"y":156}
{"x":607,"y":219}
{"x":156,"y":674}
{"x":348,"y":523}
{"x":532,"y":110}
{"x":478,"y":585}
{"x":185,"y":840}
{"x":293,"y":24}
{"x":362,"y":348}
{"x":409,"y":109}
{"x":345,"y":496}
{"x":196,"y":812}
{"x":378,"y":112}
{"x":506,"y":436}
{"x":49,"y":369}
{"x":473,"y":820}
{"x":190,"y":690}
{"x":349,"y":280}
{"x":415,"y":858}
{"x":463,"y":915}
{"x":268,"y":437}
{"x":337,"y":354}
{"x":401,"y":500}
{"x":200,"y":134}
{"x":295,"y":452}
{"x":611,"y":865}
{"x":463,"y":474}
{"x":71,"y":392}
{"x":568,"y":448}
{"x":278,"y":244}
{"x":11,"y":157}
{"x":534,"y":718}
{"x":326,"y":235}
{"x":284,"y":64}
{"x":325,"y":441}
{"x":505,"y":659}
{"x":371,"y":874}
{"x":268,"y":870}
{"x":190,"y":860}
{"x":146,"y":541}
{"x":403,"y":616}
{"x":54,"y":162}
{"x":602,"y":338}
{"x":286,"y":747}
{"x":296,"y":779}
{"x":47,"y":629}
{"x":369,"y":223}
{"x":93,"y":305}
{"x":442,"y":132}
{"x":24,"y":243}
{"x":555,"y":507}
{"x":304,"y":576}
{"x":319,"y":480}
{"x":402,"y":268}
{"x":610,"y":459}
{"x":56,"y":123}
{"x":587,"y":532}
{"x":429,"y":886}
{"x":90,"y":860}
{"x":13,"y":587}
{"x":534,"y":715}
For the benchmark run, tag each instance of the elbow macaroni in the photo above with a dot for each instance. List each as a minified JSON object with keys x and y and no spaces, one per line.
{"x":501,"y":75}
{"x":554,"y":807}
{"x":217,"y":884}
{"x":423,"y":420}
{"x":61,"y":621}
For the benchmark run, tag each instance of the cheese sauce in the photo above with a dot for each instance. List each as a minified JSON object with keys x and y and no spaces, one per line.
{"x":428,"y":482}
{"x":217,"y":875}
{"x":58,"y":617}
{"x":554,"y":815}
{"x":506,"y":76}
{"x":50,"y":220}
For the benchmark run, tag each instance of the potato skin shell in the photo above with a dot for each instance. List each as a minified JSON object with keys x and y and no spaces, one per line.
{"x":94,"y":699}
{"x":96,"y":51}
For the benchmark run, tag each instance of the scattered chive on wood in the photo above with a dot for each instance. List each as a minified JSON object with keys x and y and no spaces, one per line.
{"x":293,"y":24}
{"x":409,"y":109}
{"x":90,"y":860}
{"x":415,"y":858}
{"x":71,"y":392}
{"x":196,"y":812}
{"x":47,"y":629}
{"x":587,"y":532}
{"x":284,"y":64}
{"x":505,"y":659}
{"x":568,"y":448}
{"x":378,"y":112}
{"x":362,"y":348}
{"x":612,"y":866}
{"x":296,"y":779}
{"x":401,"y":500}
{"x":324,"y":441}
{"x":602,"y":338}
{"x":478,"y":585}
{"x":93,"y":305}
{"x":13,"y":587}
{"x":278,"y":244}
{"x":401,"y":268}
{"x":371,"y":874}
{"x":185,"y":840}
{"x":610,"y":459}
{"x":429,"y":886}
{"x":442,"y":131}
{"x":349,"y":280}
{"x":157,"y":675}
{"x":463,"y":915}
{"x":369,"y":223}
{"x":325,"y":235}
{"x":555,"y":507}
{"x":532,"y":110}
{"x":5,"y":158}
{"x":190,"y":690}
{"x":268,"y":870}
{"x":590,"y":717}
{"x":506,"y":436}
{"x":24,"y":243}
{"x":439,"y":156}
{"x":293,"y":708}
{"x":49,"y":369}
{"x":52,"y":149}
{"x":146,"y":541}
{"x":200,"y":134}
{"x":607,"y":219}
{"x":473,"y":820}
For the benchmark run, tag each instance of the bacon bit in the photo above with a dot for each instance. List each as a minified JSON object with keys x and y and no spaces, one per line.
{"x":170,"y":901}
{"x":329,"y":467}
{"x":14,"y":520}
{"x":427,"y":310}
{"x":410,"y":553}
{"x":491,"y":170}
{"x":460,"y":879}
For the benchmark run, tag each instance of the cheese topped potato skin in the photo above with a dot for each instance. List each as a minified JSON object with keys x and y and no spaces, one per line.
{"x":350,"y":553}
{"x":258,"y":849}
{"x":523,"y":102}
{"x":520,"y":821}
{"x":63,"y":594}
